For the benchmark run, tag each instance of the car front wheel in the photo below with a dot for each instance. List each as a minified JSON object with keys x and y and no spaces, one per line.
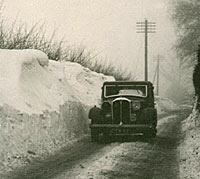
{"x":94,"y":135}
{"x":150,"y":134}
{"x":153,"y":133}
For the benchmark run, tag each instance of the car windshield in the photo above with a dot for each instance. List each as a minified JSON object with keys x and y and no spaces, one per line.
{"x":130,"y":90}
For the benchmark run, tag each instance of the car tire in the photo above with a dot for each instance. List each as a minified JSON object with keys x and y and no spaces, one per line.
{"x":150,"y":134}
{"x":94,"y":135}
{"x":106,"y":138}
{"x":153,"y":133}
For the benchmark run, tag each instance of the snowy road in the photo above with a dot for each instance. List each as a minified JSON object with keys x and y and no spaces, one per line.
{"x":134,"y":158}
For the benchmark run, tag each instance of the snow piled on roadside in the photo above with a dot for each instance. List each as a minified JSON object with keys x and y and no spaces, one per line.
{"x":190,"y":147}
{"x":29,"y":85}
{"x":43,"y":105}
{"x":85,"y":84}
{"x":165,"y":105}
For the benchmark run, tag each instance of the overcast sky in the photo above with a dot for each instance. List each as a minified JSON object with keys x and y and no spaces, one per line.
{"x":106,"y":26}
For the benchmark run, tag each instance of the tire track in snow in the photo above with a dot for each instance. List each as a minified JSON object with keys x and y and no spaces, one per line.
{"x":140,"y":159}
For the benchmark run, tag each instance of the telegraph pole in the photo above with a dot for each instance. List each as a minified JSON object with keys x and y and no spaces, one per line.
{"x":146,"y":50}
{"x":157,"y":73}
{"x":146,"y":28}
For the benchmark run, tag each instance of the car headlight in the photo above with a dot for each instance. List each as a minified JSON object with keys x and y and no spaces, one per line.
{"x":108,"y":115}
{"x":106,"y":106}
{"x":136,"y":106}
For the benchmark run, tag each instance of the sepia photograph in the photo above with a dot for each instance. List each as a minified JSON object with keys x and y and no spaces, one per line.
{"x":99,"y":89}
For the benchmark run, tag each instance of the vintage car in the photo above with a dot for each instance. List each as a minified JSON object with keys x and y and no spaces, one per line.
{"x":127,"y":108}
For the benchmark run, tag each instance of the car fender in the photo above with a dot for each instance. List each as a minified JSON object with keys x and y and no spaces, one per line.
{"x":95,"y":114}
{"x":149,"y":115}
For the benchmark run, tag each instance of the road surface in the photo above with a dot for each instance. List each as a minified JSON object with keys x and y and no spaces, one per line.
{"x":133,"y":158}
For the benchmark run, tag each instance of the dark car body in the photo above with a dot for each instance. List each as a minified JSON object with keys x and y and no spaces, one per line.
{"x":127,"y":108}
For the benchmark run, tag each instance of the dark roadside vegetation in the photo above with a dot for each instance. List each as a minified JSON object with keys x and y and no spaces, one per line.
{"x":21,"y":37}
{"x":185,"y":15}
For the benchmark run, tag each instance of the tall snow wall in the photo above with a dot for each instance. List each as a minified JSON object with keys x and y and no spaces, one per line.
{"x":43,"y":104}
{"x":189,"y":166}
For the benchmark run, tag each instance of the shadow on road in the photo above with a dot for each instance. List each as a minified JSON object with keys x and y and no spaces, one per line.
{"x":158,"y":159}
{"x":57,"y":163}
{"x":158,"y":162}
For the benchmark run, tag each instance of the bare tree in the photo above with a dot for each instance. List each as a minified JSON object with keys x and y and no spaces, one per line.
{"x":186,"y":14}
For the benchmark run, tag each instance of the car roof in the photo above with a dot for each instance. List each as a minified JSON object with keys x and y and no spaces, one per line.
{"x":127,"y":83}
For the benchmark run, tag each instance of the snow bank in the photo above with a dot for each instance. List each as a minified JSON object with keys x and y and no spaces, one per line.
{"x":165,"y":105}
{"x":85,"y":84}
{"x":190,"y":147}
{"x":43,"y":104}
{"x":27,"y":85}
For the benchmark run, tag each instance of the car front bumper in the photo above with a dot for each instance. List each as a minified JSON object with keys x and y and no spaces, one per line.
{"x":123,"y":129}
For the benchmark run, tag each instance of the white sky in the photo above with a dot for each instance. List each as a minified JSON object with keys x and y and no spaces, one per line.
{"x":106,"y":26}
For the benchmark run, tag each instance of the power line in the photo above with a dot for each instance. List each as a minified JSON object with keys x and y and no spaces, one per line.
{"x":146,"y":28}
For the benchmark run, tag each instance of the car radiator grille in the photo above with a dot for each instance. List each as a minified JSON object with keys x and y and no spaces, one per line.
{"x":121,"y":112}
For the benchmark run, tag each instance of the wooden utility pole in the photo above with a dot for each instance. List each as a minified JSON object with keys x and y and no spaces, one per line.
{"x":146,"y":51}
{"x":157,"y":73}
{"x":146,"y":27}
